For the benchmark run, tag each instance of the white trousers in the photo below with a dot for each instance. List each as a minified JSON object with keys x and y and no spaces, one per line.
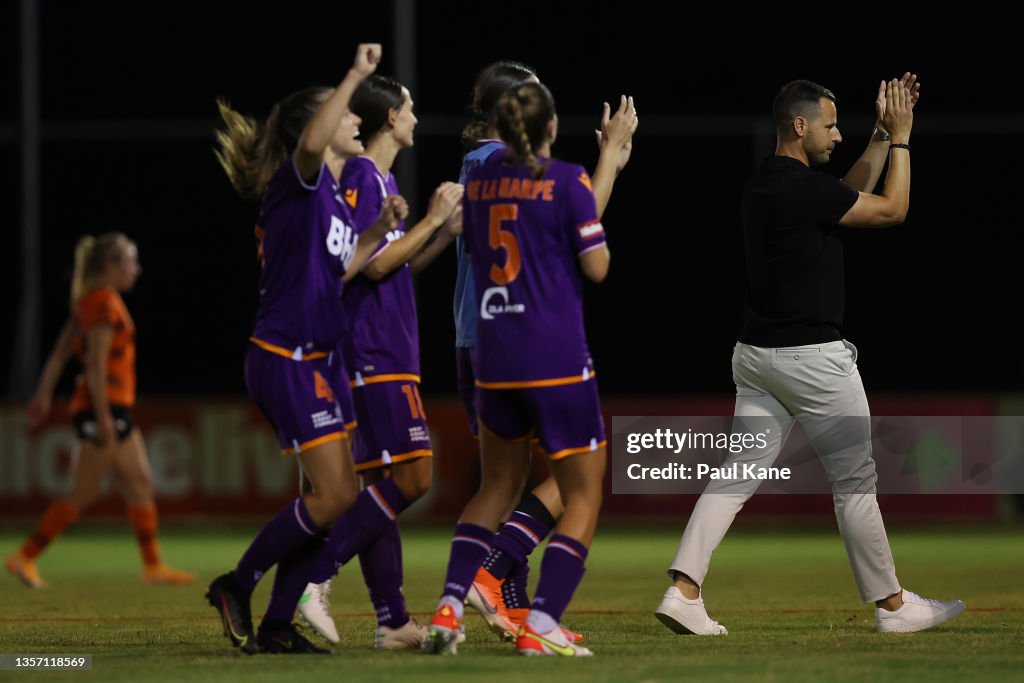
{"x":818,"y":385}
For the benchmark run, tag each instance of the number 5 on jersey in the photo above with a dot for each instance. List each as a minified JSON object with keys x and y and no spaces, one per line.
{"x":503,"y":239}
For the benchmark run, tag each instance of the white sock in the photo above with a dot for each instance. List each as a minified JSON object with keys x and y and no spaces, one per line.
{"x":542,"y":622}
{"x":457,"y":605}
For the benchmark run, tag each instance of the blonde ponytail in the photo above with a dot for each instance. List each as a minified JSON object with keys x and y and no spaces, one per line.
{"x":91,"y":257}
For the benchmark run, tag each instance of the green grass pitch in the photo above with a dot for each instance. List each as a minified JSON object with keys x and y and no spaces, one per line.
{"x":788,"y":600}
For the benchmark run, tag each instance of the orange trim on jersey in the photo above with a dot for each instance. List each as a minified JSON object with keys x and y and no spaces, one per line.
{"x":401,"y":457}
{"x":530,"y":384}
{"x":334,"y":436}
{"x":349,"y":426}
{"x":281,"y":351}
{"x":376,"y":379}
{"x":566,"y":452}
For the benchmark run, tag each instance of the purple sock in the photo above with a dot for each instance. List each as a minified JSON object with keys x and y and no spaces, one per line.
{"x":513,"y":591}
{"x":470,"y":545}
{"x":289,"y":529}
{"x":375,"y":508}
{"x":513,"y":543}
{"x":381,"y":562}
{"x":290,"y":581}
{"x":560,"y":574}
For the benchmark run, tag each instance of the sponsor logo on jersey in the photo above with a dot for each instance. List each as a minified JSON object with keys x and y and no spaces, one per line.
{"x":495,"y":302}
{"x":352,"y":196}
{"x":341,"y":241}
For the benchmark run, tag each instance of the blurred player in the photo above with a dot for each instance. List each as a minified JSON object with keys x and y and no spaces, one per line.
{"x":499,"y":590}
{"x":532,"y":230}
{"x":392,"y":443}
{"x":791,"y":361}
{"x":307,"y":248}
{"x":100,"y":332}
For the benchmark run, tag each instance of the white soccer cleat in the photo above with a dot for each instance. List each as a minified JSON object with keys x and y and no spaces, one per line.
{"x":917,"y":614}
{"x":685,"y":616}
{"x":315,"y":609}
{"x":532,"y":643}
{"x":409,"y":636}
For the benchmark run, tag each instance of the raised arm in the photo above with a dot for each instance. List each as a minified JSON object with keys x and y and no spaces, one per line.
{"x":38,"y":408}
{"x":865,"y":172}
{"x":615,"y":140}
{"x":318,"y":133}
{"x":890,"y":208}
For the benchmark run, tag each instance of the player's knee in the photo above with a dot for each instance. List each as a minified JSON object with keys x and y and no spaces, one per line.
{"x":414,"y":482}
{"x":335,"y":500}
{"x":83,"y":499}
{"x":583,"y":501}
{"x":138,"y":489}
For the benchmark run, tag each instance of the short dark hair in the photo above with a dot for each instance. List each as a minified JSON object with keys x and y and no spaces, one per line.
{"x":798,"y":98}
{"x":372,"y":100}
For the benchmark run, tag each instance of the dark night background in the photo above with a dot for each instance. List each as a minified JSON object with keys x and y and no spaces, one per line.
{"x":930,"y":304}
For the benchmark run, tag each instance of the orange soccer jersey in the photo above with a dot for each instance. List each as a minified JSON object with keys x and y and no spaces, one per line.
{"x":104,"y":306}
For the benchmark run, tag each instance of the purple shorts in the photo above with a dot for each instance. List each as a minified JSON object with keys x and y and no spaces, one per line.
{"x":392,"y":425}
{"x":466,"y":380}
{"x":302,"y":399}
{"x":566,"y":419}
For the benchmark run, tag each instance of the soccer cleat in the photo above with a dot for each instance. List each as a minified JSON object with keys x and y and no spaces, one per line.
{"x":443,"y":633}
{"x":25,"y":569}
{"x":315,"y":610}
{"x":552,"y":644}
{"x":917,"y":614}
{"x":232,"y":604}
{"x":162,"y":574}
{"x":685,"y":616}
{"x":485,"y":597}
{"x":284,"y":639}
{"x":408,"y":636}
{"x":518,"y":616}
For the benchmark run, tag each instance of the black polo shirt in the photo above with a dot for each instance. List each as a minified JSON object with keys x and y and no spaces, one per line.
{"x":795,"y":284}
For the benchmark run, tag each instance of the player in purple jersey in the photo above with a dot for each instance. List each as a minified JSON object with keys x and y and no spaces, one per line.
{"x":392,"y":446}
{"x":533,"y":233}
{"x":499,"y":589}
{"x":307,"y":247}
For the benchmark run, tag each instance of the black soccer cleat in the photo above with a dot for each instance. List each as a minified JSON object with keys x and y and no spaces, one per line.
{"x":232,"y":603}
{"x":284,"y":639}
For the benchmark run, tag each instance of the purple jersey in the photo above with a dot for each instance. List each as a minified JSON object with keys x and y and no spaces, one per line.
{"x":306,"y":242}
{"x":525,"y":237}
{"x":383,"y":341}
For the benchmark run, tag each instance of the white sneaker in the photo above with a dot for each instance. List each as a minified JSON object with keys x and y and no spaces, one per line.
{"x":685,"y":616}
{"x":917,"y":614}
{"x":315,"y":609}
{"x":410,"y":636}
